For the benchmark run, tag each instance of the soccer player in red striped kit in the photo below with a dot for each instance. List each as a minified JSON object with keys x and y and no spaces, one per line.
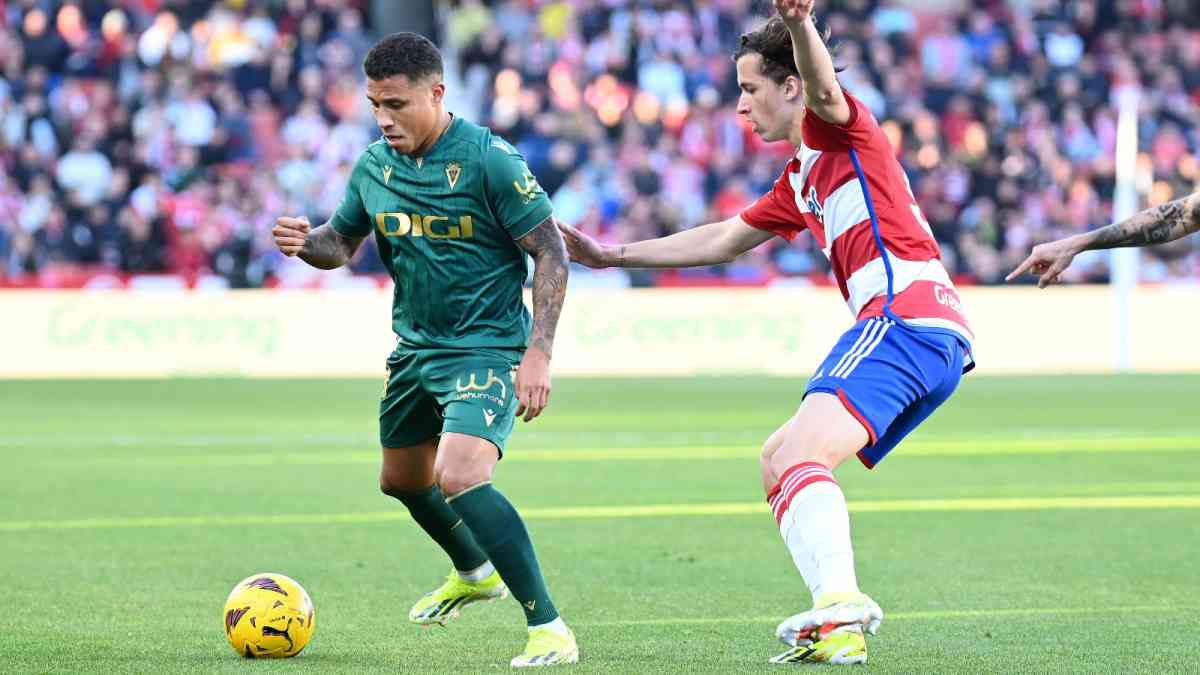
{"x":907,"y":350}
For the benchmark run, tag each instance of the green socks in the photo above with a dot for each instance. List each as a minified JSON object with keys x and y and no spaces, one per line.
{"x":500,"y":532}
{"x":443,"y":525}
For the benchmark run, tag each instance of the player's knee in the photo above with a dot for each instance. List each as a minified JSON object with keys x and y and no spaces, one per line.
{"x":768,"y":450}
{"x":397,"y":487}
{"x":766,"y":461}
{"x":805,"y":448}
{"x":455,"y":480}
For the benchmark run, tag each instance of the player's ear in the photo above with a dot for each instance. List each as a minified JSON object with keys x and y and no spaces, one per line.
{"x":439,"y":91}
{"x":793,"y":88}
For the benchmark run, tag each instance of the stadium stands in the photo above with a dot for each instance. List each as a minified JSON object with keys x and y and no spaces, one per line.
{"x":152,"y":144}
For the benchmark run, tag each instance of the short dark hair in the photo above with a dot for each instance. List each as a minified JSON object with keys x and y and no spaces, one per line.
{"x":407,"y":54}
{"x":773,"y":43}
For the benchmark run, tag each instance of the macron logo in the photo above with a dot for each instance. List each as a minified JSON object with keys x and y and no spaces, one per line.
{"x":489,"y":416}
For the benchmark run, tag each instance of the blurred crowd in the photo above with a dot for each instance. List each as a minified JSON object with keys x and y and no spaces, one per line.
{"x":144,"y":137}
{"x":160,"y":138}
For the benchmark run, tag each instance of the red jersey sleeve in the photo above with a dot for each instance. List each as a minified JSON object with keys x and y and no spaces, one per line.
{"x":826,"y":136}
{"x":776,"y":211}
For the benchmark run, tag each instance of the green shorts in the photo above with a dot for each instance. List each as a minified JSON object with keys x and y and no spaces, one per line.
{"x":431,"y":391}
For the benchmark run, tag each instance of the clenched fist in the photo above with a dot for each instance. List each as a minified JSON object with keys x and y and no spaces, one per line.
{"x":794,"y":11}
{"x":290,"y":234}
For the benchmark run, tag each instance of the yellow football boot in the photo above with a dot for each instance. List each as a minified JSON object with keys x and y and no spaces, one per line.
{"x":840,"y":645}
{"x":547,"y":647}
{"x":446,"y":601}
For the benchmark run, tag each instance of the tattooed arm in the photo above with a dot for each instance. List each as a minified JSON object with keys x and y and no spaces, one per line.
{"x":1158,"y":225}
{"x":1153,"y":226}
{"x":322,"y":248}
{"x":545,"y":244}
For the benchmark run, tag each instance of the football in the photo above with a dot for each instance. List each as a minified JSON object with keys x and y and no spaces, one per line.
{"x":269,"y":616}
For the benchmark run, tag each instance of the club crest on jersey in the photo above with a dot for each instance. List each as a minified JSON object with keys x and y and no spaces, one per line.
{"x":813,"y":205}
{"x":453,"y":171}
{"x":387,"y":174}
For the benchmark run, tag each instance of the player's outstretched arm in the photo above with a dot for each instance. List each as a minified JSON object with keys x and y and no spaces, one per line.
{"x":550,"y":271}
{"x":1158,"y":225}
{"x":822,"y":93}
{"x":711,"y":244}
{"x":323,"y":247}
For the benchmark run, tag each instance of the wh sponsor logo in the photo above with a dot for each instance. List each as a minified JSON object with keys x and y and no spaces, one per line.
{"x":485,"y":391}
{"x":472,"y":386}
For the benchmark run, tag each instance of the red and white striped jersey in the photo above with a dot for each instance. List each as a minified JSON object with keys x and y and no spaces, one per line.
{"x":846,"y":187}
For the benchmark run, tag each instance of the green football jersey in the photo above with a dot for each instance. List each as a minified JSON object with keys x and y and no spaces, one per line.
{"x":447,"y":224}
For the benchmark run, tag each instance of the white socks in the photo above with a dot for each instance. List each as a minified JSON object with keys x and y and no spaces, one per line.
{"x":479,"y":573}
{"x":556,"y":625}
{"x":811,"y":512}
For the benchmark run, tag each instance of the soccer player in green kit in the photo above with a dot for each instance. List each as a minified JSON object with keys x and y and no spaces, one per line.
{"x":454,"y":210}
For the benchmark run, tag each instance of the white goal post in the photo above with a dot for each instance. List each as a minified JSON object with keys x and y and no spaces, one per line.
{"x":1124,"y":262}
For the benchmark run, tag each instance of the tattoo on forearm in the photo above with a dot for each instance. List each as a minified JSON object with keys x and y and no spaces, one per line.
{"x":550,"y":267}
{"x":1152,"y":226}
{"x":326,"y":249}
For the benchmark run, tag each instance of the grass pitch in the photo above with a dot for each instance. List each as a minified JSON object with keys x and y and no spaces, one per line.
{"x":1033,"y":525}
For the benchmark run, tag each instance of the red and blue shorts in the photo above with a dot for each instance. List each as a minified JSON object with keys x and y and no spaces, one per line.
{"x":891,"y":376}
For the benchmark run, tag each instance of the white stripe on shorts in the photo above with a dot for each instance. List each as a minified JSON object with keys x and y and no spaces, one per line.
{"x":863,"y":338}
{"x":865,"y":351}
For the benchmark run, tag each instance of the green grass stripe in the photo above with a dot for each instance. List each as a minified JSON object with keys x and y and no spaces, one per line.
{"x":646,"y":511}
{"x":1027,"y":503}
{"x":925,"y":615}
{"x":1034,"y":441}
{"x":963,"y":448}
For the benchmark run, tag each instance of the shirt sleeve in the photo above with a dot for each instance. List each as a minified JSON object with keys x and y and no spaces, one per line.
{"x":351,"y":218}
{"x":513,"y":193}
{"x":826,"y":136}
{"x":776,"y":211}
